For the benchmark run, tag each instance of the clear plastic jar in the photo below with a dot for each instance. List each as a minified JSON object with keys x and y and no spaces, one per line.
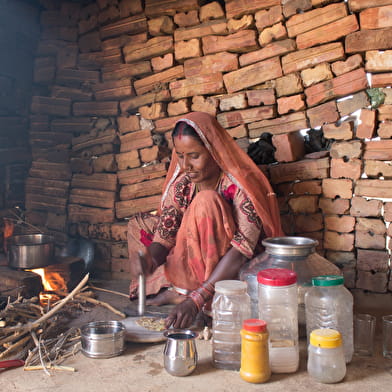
{"x":278,"y":307}
{"x":297,"y":254}
{"x":326,"y":362}
{"x":255,"y":366}
{"x":230,"y":307}
{"x":329,"y":304}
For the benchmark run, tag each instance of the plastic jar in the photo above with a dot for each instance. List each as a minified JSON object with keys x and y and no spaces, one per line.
{"x":329,"y":304}
{"x":294,"y":253}
{"x":230,"y":307}
{"x":255,"y":366}
{"x":278,"y":307}
{"x":326,"y":362}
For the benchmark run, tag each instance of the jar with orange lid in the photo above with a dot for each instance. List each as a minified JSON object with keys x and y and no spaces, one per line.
{"x":326,"y":361}
{"x":255,"y":366}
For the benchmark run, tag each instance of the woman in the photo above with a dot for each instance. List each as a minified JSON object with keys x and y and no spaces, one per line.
{"x":216,"y":207}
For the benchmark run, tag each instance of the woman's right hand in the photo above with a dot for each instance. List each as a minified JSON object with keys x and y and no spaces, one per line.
{"x":141,"y":265}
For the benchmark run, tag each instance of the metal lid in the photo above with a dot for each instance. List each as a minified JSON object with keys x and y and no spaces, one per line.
{"x":328,"y":280}
{"x":290,"y":246}
{"x":277,"y":277}
{"x":230,"y":287}
{"x":325,"y":338}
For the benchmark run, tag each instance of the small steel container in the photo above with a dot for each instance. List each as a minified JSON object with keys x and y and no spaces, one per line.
{"x":103,"y":339}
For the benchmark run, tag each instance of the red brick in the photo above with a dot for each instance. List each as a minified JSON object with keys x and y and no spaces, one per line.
{"x":388,"y":212}
{"x":274,"y":33}
{"x":363,"y":207}
{"x":234,"y":25}
{"x":212,"y":27}
{"x":186,"y":19}
{"x":289,"y":146}
{"x":291,"y":104}
{"x":384,"y":130}
{"x":293,"y":7}
{"x":317,"y":74}
{"x":219,"y":62}
{"x":119,"y":231}
{"x":128,"y":124}
{"x":179,"y":107}
{"x":372,"y":260}
{"x":163,"y":62}
{"x":376,"y":18}
{"x":157,"y":46}
{"x":382,"y":79}
{"x":337,"y":188}
{"x":376,"y":169}
{"x":384,"y":112}
{"x":327,"y":33}
{"x":150,"y":154}
{"x":369,"y":241}
{"x":339,"y":86}
{"x":367,"y":122}
{"x":162,"y":25}
{"x":307,"y":187}
{"x":211,"y":10}
{"x":341,"y":168}
{"x":372,"y":281}
{"x":197,"y":85}
{"x":269,"y":17}
{"x":341,"y":224}
{"x":352,"y":62}
{"x":152,"y":112}
{"x":238,"y":132}
{"x":373,"y":226}
{"x":240,"y":42}
{"x":353,"y":103}
{"x":288,"y":84}
{"x":233,"y":101}
{"x":187,"y":49}
{"x":374,"y":188}
{"x":334,"y":206}
{"x":308,"y":223}
{"x":238,"y":8}
{"x":261,"y":97}
{"x":252,"y":75}
{"x":378,"y":61}
{"x":343,"y":131}
{"x":325,"y":113}
{"x":205,"y":104}
{"x":277,"y":48}
{"x":304,"y":204}
{"x":340,"y":242}
{"x":351,"y":149}
{"x":166,"y":124}
{"x":245,"y":116}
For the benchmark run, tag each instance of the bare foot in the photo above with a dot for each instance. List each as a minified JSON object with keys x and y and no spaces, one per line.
{"x":166,"y":297}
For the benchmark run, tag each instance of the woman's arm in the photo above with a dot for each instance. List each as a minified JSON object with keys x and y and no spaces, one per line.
{"x":228,"y":267}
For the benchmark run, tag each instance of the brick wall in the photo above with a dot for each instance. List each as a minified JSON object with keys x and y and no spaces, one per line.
{"x":112,"y":77}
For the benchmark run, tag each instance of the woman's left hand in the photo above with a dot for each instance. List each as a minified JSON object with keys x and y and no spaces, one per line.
{"x":183,"y":315}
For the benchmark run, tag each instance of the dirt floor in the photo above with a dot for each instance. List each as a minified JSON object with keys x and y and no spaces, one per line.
{"x":140,"y":367}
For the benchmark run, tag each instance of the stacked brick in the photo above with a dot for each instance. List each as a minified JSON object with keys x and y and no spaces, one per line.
{"x":124,"y":71}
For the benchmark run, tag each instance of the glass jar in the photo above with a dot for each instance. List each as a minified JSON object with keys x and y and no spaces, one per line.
{"x":278,"y":307}
{"x":297,"y":254}
{"x":329,"y":304}
{"x":255,"y":366}
{"x":230,"y":307}
{"x":326,"y":362}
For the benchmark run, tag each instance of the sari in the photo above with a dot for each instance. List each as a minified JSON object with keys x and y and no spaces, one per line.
{"x":199,"y":227}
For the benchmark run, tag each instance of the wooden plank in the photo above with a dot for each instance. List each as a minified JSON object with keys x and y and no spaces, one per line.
{"x":237,"y":8}
{"x":72,"y":124}
{"x":132,"y":25}
{"x":373,"y":188}
{"x":376,"y":18}
{"x":212,"y":27}
{"x":47,"y":187}
{"x":364,"y":40}
{"x":51,"y":105}
{"x":107,"y":108}
{"x":157,"y":46}
{"x":169,"y":7}
{"x":140,"y":174}
{"x":130,"y":207}
{"x":77,"y":214}
{"x":135,"y":140}
{"x":92,"y":197}
{"x":103,"y":181}
{"x":359,"y":5}
{"x":129,"y":104}
{"x":378,"y":149}
{"x":15,"y":283}
{"x":142,"y":189}
{"x":47,"y":203}
{"x":94,"y":138}
{"x":50,"y":170}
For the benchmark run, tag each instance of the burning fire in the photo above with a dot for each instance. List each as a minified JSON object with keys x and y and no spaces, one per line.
{"x":8,"y":231}
{"x":52,"y":282}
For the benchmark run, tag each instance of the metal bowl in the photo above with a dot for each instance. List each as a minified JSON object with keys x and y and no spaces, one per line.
{"x":103,"y":339}
{"x":29,"y":251}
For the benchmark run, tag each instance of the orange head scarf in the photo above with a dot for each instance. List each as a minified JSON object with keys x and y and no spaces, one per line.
{"x":235,"y":163}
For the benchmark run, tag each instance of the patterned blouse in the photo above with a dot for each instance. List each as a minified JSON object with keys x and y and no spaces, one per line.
{"x":180,"y":196}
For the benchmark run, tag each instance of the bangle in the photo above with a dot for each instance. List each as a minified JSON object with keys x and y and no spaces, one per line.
{"x":209,"y":287}
{"x":198,"y":299}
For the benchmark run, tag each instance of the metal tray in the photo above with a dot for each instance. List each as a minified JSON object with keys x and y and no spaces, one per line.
{"x":136,"y":333}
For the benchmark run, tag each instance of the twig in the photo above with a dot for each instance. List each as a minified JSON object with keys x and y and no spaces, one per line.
{"x":50,"y":367}
{"x":21,"y":342}
{"x":38,"y":344}
{"x":97,"y":302}
{"x":109,"y":291}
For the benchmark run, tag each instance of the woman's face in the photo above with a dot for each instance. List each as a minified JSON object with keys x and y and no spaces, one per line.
{"x":196,"y":161}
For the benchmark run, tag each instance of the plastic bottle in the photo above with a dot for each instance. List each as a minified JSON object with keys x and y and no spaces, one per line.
{"x":326,"y":362}
{"x":278,"y":307}
{"x":230,"y":307}
{"x":255,"y":366}
{"x":329,"y":304}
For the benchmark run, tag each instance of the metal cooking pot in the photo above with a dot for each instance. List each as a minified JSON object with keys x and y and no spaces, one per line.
{"x":29,"y":251}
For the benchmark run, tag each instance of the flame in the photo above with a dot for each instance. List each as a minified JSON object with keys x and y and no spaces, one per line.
{"x":8,"y":231}
{"x":51,"y":281}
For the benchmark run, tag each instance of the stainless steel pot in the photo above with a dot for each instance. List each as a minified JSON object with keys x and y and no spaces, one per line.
{"x":103,"y":339}
{"x":29,"y":251}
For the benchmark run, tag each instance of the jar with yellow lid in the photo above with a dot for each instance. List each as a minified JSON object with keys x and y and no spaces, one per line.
{"x":255,"y":366}
{"x":326,"y":362}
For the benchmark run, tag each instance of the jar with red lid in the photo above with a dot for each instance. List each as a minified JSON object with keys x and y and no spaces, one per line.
{"x":278,"y":307}
{"x":255,"y":366}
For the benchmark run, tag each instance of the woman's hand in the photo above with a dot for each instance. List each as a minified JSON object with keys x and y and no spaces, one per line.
{"x":183,"y":315}
{"x":142,"y":264}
